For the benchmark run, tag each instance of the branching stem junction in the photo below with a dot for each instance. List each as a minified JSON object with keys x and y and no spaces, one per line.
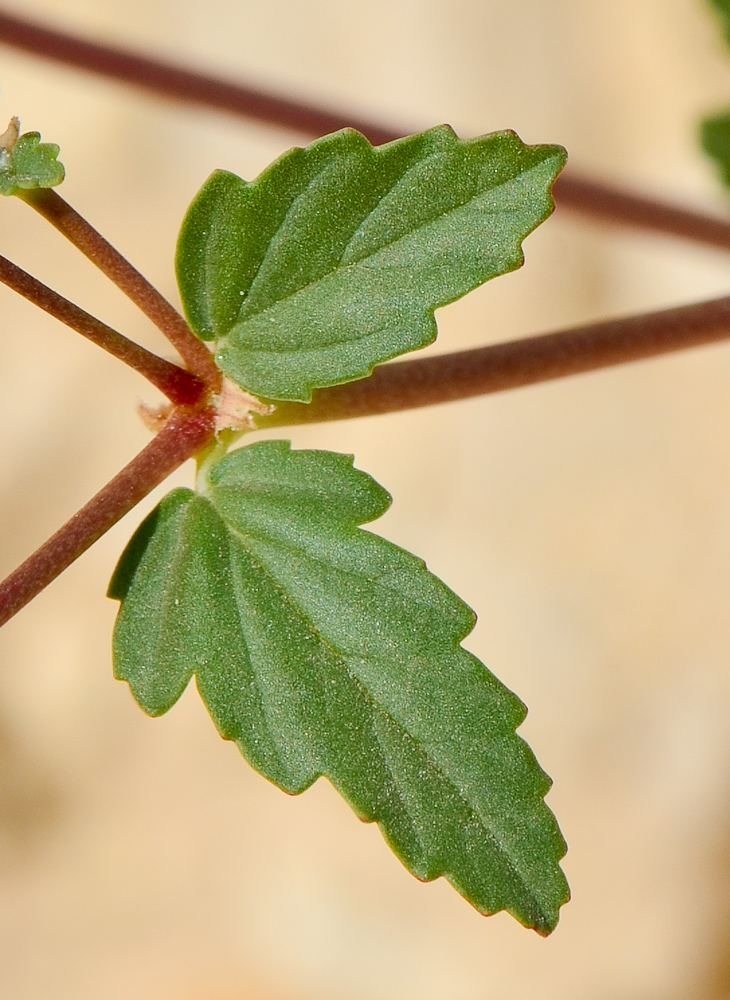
{"x":191,"y":425}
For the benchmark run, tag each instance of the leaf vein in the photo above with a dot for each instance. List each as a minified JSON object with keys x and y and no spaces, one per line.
{"x":296,"y":201}
{"x":419,"y":747}
{"x":387,"y":246}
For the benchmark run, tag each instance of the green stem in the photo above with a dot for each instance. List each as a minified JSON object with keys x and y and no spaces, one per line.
{"x":208,"y":457}
{"x":92,"y":244}
{"x":183,"y":435}
{"x":180,"y":386}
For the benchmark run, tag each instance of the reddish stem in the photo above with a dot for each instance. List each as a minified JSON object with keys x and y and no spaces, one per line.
{"x":392,"y":387}
{"x":180,"y":386}
{"x":183,"y":435}
{"x":173,"y":81}
{"x":82,"y":234}
{"x":591,"y":197}
{"x":614,"y":204}
{"x":409,"y":384}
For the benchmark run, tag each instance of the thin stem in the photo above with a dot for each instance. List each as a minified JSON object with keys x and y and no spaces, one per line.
{"x":410,"y":384}
{"x":392,"y":387}
{"x":82,"y":234}
{"x":591,"y":197}
{"x":616,"y":205}
{"x":180,"y":386}
{"x":183,"y":435}
{"x":174,"y":81}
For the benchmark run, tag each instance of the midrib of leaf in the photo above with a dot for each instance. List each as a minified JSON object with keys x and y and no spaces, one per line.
{"x":378,"y":708}
{"x":310,"y":556}
{"x":264,"y":701}
{"x":288,"y":600}
{"x":490,"y":833}
{"x":337,"y":653}
{"x":381,"y":249}
{"x":276,"y":235}
{"x":439,"y":215}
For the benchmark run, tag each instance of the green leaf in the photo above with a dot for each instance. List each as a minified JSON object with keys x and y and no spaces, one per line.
{"x":336,"y":256}
{"x":29,"y":163}
{"x":715,"y":139}
{"x":722,"y":7}
{"x":322,"y":649}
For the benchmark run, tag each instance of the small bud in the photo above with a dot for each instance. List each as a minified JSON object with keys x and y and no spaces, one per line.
{"x":154,"y":417}
{"x":10,"y":135}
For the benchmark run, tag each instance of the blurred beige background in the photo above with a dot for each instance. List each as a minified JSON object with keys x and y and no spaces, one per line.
{"x":587,"y":521}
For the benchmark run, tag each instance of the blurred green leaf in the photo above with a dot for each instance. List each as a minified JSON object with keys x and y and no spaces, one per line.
{"x":722,"y":7}
{"x":715,"y":139}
